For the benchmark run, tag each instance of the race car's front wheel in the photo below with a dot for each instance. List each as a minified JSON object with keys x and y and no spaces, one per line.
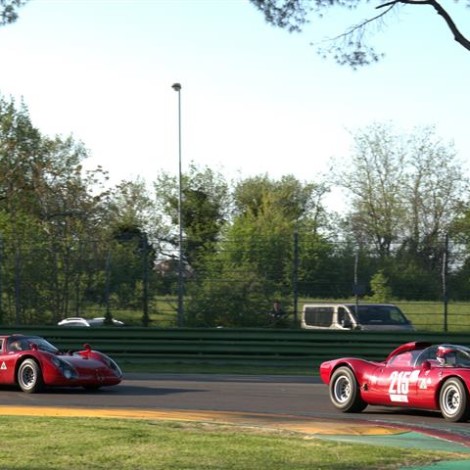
{"x":29,"y":376}
{"x":344,"y":391}
{"x":453,"y":401}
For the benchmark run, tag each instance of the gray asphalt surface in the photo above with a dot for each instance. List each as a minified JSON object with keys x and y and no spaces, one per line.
{"x":287,"y":395}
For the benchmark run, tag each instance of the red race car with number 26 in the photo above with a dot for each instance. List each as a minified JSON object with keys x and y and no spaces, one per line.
{"x":32,"y":363}
{"x":415,"y":375}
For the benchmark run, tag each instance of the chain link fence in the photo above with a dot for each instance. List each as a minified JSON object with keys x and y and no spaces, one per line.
{"x":42,"y":283}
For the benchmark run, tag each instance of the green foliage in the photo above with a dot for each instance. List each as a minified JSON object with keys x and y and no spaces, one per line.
{"x":410,"y":277}
{"x":254,"y":263}
{"x":49,"y":208}
{"x":232,"y":295}
{"x":381,"y":291}
{"x":8,"y":10}
{"x":204,"y":210}
{"x":70,"y":245}
{"x":321,"y":270}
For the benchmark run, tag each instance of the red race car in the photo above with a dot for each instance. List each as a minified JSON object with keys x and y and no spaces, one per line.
{"x":415,"y":375}
{"x":33,"y":363}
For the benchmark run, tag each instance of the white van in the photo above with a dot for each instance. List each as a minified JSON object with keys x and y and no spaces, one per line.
{"x":365,"y":317}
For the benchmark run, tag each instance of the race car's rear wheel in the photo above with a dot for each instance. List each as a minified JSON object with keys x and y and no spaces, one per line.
{"x":453,"y":400}
{"x":29,"y":376}
{"x":344,"y":391}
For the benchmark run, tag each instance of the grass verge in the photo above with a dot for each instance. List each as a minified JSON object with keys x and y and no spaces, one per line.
{"x":99,"y":443}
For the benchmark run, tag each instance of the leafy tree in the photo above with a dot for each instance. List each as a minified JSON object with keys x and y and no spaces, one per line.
{"x":352,"y":47}
{"x":294,"y":200}
{"x":381,"y":291}
{"x":459,"y":254}
{"x":204,"y":210}
{"x":255,"y":255}
{"x":42,"y":181}
{"x":43,"y":176}
{"x":267,"y":213}
{"x":131,"y":205}
{"x":19,"y":142}
{"x":8,"y":10}
{"x":25,"y":294}
{"x":229,"y":294}
{"x":134,"y":226}
{"x":409,"y":279}
{"x":325,"y":267}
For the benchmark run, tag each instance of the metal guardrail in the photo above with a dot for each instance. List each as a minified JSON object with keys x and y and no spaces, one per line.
{"x":232,"y":346}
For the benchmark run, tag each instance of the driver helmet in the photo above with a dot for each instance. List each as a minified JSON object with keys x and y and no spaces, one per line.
{"x":446,"y":354}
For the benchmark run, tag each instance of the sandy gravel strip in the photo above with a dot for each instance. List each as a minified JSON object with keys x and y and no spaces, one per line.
{"x":268,"y":421}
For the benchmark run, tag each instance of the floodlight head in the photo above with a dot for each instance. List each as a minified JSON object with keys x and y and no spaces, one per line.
{"x":176,"y":86}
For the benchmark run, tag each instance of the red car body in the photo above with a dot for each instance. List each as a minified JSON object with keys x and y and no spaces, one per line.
{"x":32,"y":363}
{"x":415,"y":375}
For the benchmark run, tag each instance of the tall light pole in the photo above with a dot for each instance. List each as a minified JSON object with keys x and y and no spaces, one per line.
{"x":177,"y":88}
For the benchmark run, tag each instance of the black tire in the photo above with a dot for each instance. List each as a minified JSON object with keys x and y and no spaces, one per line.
{"x":29,"y":376}
{"x":453,"y":400}
{"x":344,"y":391}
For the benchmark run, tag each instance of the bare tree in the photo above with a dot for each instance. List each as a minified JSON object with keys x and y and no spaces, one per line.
{"x":353,"y":46}
{"x":374,"y":180}
{"x":404,"y":189}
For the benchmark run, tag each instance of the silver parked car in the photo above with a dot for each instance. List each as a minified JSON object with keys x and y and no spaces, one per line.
{"x":87,"y":322}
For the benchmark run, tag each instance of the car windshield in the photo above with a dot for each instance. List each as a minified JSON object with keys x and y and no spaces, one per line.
{"x":379,"y":315}
{"x":457,"y":356}
{"x":42,"y":344}
{"x":405,"y":359}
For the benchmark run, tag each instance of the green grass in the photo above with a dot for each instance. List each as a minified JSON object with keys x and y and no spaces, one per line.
{"x":425,"y":315}
{"x":429,"y":316}
{"x":93,"y":443}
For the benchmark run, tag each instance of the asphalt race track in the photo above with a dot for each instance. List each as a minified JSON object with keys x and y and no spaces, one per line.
{"x":276,"y":398}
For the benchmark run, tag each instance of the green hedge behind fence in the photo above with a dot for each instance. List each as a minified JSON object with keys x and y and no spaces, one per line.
{"x":274,"y":347}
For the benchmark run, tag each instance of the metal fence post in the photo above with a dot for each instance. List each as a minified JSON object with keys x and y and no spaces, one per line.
{"x":445,"y":269}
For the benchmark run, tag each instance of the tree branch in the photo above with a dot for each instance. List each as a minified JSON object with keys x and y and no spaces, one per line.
{"x":363,"y":24}
{"x":458,"y":36}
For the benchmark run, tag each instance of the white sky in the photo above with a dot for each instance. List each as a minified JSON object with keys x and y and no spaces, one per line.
{"x":255,"y":99}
